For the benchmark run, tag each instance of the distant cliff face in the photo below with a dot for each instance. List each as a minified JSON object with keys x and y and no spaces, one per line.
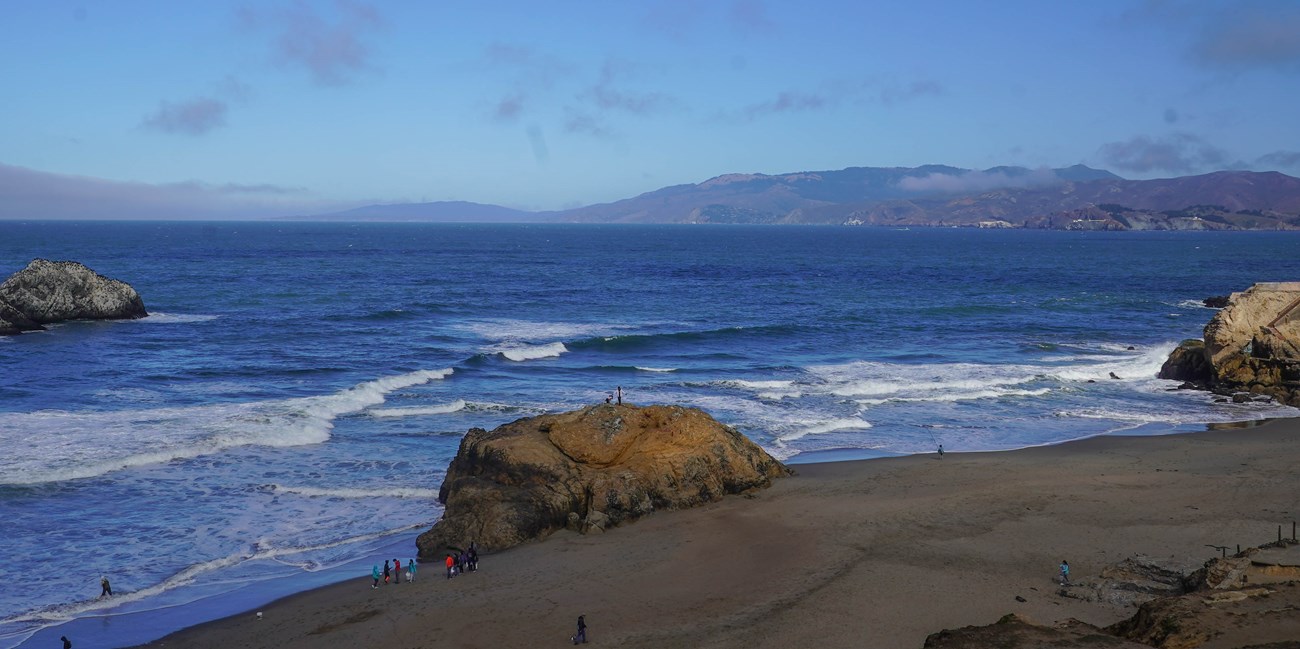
{"x":46,"y":292}
{"x":1252,"y":345}
{"x":588,"y":470}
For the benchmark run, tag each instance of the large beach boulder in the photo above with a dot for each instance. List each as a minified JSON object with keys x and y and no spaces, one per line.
{"x":46,"y":292}
{"x":1252,"y":345}
{"x":587,"y":470}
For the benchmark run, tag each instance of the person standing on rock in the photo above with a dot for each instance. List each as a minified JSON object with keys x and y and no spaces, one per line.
{"x":374,"y":572}
{"x":619,"y":392}
{"x":1065,"y":572}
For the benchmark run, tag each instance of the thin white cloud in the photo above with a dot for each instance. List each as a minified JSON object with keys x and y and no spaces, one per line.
{"x":1261,"y":34}
{"x":1174,"y":153}
{"x":1283,"y":159}
{"x":38,"y":195}
{"x":193,"y":117}
{"x":978,"y":181}
{"x":331,"y":45}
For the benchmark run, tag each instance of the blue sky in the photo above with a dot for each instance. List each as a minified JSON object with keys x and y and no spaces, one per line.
{"x":220,"y":109}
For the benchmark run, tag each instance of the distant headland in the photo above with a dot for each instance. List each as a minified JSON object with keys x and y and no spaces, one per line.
{"x":1069,"y":198}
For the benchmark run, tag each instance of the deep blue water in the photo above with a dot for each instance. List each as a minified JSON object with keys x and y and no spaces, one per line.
{"x":286,"y":414}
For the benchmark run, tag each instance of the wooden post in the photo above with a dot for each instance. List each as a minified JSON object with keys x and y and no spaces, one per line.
{"x":1279,"y":533}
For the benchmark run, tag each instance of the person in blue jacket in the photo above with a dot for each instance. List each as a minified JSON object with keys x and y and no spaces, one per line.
{"x":374,"y":572}
{"x":410,"y":570}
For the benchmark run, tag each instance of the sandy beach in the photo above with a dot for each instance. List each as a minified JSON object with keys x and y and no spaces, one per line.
{"x":870,"y":553}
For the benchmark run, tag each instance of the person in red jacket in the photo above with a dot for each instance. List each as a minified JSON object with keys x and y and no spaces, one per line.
{"x":450,"y":566}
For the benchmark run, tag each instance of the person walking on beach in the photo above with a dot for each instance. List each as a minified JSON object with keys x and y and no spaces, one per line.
{"x":1065,"y":572}
{"x":67,"y":644}
{"x":410,"y":570}
{"x":397,"y":571}
{"x":386,"y":571}
{"x":581,"y":635}
{"x":105,"y":590}
{"x":374,"y":572}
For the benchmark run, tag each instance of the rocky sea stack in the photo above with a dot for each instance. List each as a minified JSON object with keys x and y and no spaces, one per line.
{"x":588,"y":470}
{"x":46,"y":292}
{"x":1251,"y":346}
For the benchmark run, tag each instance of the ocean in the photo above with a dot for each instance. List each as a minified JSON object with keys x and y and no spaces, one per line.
{"x":284,"y":417}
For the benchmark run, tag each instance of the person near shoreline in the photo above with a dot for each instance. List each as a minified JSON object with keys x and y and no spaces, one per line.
{"x":581,"y":635}
{"x":410,"y":570}
{"x":619,"y":394}
{"x":397,"y":571}
{"x":374,"y":572}
{"x":105,"y":590}
{"x":1065,"y":572}
{"x":67,"y":644}
{"x":387,"y":571}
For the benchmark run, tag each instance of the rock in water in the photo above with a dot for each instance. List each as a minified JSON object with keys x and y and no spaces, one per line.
{"x":46,"y":292}
{"x":1252,"y":345}
{"x":588,"y":470}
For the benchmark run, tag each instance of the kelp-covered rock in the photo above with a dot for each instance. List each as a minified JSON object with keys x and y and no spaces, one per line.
{"x":588,"y":470}
{"x":46,"y":292}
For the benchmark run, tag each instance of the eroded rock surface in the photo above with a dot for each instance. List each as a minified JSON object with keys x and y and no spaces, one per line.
{"x":1252,"y":345}
{"x":46,"y":292}
{"x":588,"y":470}
{"x":1015,"y":632}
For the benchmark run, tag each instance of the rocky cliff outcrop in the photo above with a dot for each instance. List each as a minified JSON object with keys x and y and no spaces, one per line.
{"x":1252,"y":345}
{"x":46,"y":292}
{"x":588,"y":470}
{"x":1246,"y":601}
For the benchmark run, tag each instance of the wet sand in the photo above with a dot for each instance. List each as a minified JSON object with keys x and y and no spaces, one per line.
{"x":873,"y":553}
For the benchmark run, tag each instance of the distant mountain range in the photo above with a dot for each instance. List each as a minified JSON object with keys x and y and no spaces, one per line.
{"x":1075,"y":197}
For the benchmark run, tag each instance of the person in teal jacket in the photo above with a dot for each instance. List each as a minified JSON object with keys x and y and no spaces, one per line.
{"x":375,"y":573}
{"x":410,"y":570}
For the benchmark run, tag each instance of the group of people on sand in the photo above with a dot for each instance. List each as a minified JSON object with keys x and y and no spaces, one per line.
{"x":393,"y":571}
{"x":462,"y":561}
{"x":457,"y":563}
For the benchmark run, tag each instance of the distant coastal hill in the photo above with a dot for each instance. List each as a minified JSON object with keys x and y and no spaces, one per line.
{"x":1071,"y":198}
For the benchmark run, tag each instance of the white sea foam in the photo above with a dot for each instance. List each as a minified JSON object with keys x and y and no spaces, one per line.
{"x":827,"y":427}
{"x":257,"y":552}
{"x":954,"y":396}
{"x":755,"y":385}
{"x":1193,"y":304}
{"x":176,"y":318}
{"x":418,"y":411}
{"x":656,"y":369}
{"x":533,"y":352}
{"x":319,"y":492}
{"x":61,"y":445}
{"x":507,"y":330}
{"x":1144,"y":365}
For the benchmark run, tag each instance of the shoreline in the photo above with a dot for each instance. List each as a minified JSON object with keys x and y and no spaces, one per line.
{"x":889,"y":548}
